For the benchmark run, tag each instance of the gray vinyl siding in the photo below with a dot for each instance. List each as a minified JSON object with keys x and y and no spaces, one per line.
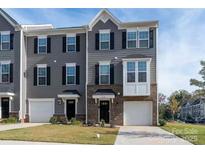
{"x":61,"y":58}
{"x":94,"y":56}
{"x":14,"y":57}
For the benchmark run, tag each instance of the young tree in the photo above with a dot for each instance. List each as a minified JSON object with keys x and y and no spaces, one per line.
{"x":200,"y":84}
{"x":174,"y":107}
{"x":162,"y":98}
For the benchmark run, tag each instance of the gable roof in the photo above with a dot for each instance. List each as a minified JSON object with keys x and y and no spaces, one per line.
{"x":104,"y":15}
{"x":8,"y":18}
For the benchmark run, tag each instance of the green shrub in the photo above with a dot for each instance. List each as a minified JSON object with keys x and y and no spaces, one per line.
{"x":102,"y":123}
{"x":75,"y":122}
{"x":10,"y":120}
{"x":53,"y":120}
{"x":162,"y":122}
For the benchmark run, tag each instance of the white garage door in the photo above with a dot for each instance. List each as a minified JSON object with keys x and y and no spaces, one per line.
{"x":40,"y":110}
{"x":138,"y":113}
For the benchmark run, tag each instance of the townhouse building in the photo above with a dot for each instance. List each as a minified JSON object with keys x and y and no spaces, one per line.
{"x":106,"y":70}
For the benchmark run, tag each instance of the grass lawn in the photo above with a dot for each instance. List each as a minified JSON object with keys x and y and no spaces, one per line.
{"x":191,"y":132}
{"x":62,"y":134}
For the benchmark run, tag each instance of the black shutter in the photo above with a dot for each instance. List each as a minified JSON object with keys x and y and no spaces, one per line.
{"x":77,"y":74}
{"x":64,"y":44}
{"x":48,"y":45}
{"x":64,"y":75}
{"x":35,"y":45}
{"x":11,"y":73}
{"x":97,"y":74}
{"x":0,"y":41}
{"x":112,"y":78}
{"x":77,"y":43}
{"x":48,"y":75}
{"x":124,"y":35}
{"x":151,"y":38}
{"x":35,"y":76}
{"x":11,"y":41}
{"x":112,"y":40}
{"x":97,"y":41}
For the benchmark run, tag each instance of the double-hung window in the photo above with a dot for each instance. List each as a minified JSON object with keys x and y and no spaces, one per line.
{"x":42,"y":75}
{"x":131,"y":39}
{"x":42,"y":44}
{"x":71,"y":43}
{"x":143,"y":38}
{"x":142,"y":71}
{"x":104,"y":73}
{"x":5,"y":40}
{"x":4,"y":72}
{"x":104,"y":39}
{"x":70,"y":73}
{"x":131,"y":72}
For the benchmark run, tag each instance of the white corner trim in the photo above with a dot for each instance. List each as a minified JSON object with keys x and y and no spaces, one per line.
{"x":70,"y":64}
{"x":41,"y":65}
{"x":104,"y":62}
{"x":104,"y":31}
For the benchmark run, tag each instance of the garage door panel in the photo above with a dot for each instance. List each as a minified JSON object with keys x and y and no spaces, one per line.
{"x":41,"y":110}
{"x":137,"y":113}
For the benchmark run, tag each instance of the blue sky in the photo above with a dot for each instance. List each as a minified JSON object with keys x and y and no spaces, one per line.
{"x":181,"y":37}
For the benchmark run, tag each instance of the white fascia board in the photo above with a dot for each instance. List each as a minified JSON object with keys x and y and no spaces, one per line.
{"x":143,"y":28}
{"x":42,"y":36}
{"x":6,"y":94}
{"x":103,"y":96}
{"x":68,"y":96}
{"x":71,"y":35}
{"x":131,"y":29}
{"x":137,"y":59}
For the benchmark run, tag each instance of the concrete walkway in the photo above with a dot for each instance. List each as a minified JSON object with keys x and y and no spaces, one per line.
{"x":147,"y":135}
{"x":4,"y":127}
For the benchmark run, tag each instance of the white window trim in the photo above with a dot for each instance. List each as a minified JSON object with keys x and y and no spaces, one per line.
{"x":42,"y":37}
{"x":104,"y":31}
{"x":4,"y":63}
{"x":70,"y":35}
{"x":142,"y":72}
{"x":142,"y":30}
{"x":71,"y":65}
{"x":132,"y":30}
{"x":46,"y":75}
{"x":131,"y":72}
{"x":5,"y":33}
{"x":100,"y":64}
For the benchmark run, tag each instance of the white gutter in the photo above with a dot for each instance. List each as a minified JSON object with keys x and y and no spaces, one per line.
{"x":86,"y":80}
{"x":21,"y":76}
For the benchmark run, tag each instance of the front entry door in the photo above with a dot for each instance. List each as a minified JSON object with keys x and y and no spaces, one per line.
{"x":5,"y":107}
{"x":104,"y":111}
{"x":70,"y":109}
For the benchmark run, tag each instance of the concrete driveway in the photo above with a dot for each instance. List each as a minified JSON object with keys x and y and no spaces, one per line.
{"x":147,"y":135}
{"x":4,"y":127}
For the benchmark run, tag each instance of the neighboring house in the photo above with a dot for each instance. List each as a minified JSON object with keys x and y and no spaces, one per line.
{"x":104,"y":70}
{"x":194,"y":109}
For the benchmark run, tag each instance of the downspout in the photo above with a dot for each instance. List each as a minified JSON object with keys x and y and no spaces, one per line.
{"x":157,"y":73}
{"x":86,"y":80}
{"x":21,"y":76}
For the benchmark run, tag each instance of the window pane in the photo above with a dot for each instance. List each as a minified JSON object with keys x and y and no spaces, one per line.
{"x":41,"y":71}
{"x":142,"y":77}
{"x":132,"y":44}
{"x":104,"y":45}
{"x":130,"y":66}
{"x":143,"y":43}
{"x":5,"y":68}
{"x":70,"y":80}
{"x":5,"y":46}
{"x":143,"y":35}
{"x":104,"y":37}
{"x":104,"y":79}
{"x":71,"y":47}
{"x":42,"y":49}
{"x":142,"y":66}
{"x":42,"y":81}
{"x":70,"y":40}
{"x":5,"y":38}
{"x":71,"y":71}
{"x":131,"y":35}
{"x":42,"y":41}
{"x":131,"y":77}
{"x":5,"y":77}
{"x":104,"y":69}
